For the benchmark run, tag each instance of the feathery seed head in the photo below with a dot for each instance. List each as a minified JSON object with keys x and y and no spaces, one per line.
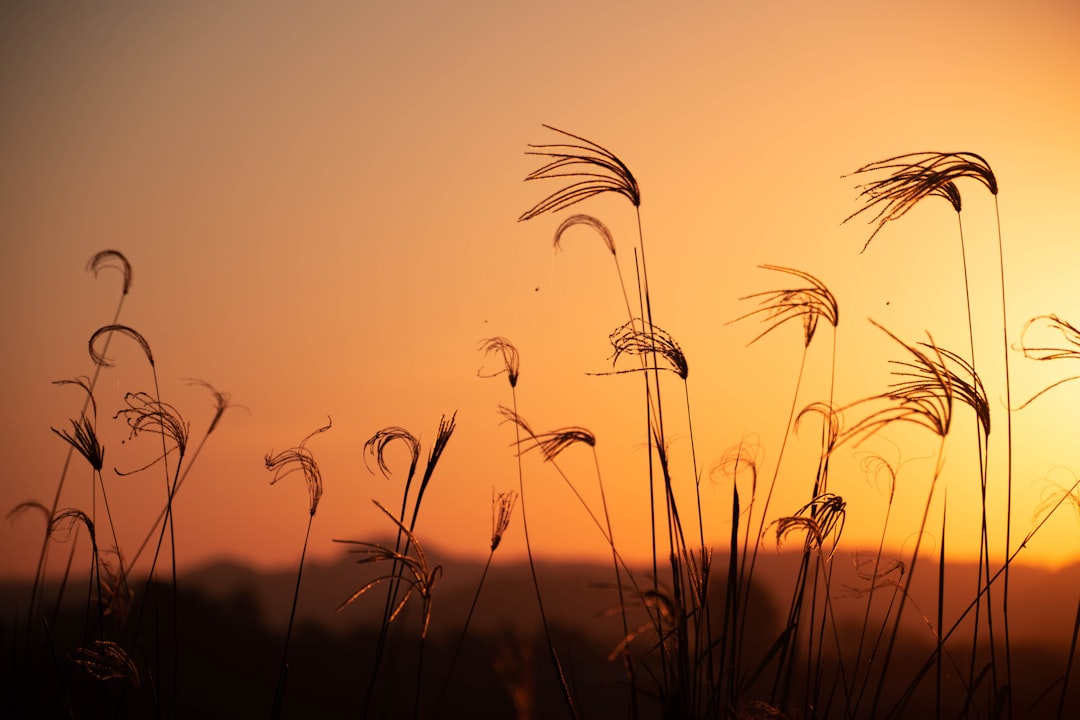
{"x":1042,"y":350}
{"x":925,"y":394}
{"x":806,"y":303}
{"x":221,"y":402}
{"x":16,"y":512}
{"x":830,"y":416}
{"x":509,"y":353}
{"x":105,"y":660}
{"x":502,"y":506}
{"x":117,"y":596}
{"x":300,"y":459}
{"x":639,"y":337}
{"x":1050,"y":324}
{"x":111,"y":259}
{"x":509,"y":416}
{"x":593,"y":168}
{"x":99,"y":357}
{"x":377,"y":444}
{"x":62,"y":522}
{"x":554,"y":442}
{"x":83,"y":438}
{"x":879,"y":572}
{"x":911,"y":177}
{"x":821,"y":517}
{"x":590,"y":221}
{"x":144,"y":414}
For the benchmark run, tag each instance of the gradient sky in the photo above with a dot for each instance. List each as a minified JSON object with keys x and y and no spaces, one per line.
{"x":319,"y":203}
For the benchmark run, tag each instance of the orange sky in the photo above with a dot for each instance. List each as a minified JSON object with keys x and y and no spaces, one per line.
{"x":320,"y":206}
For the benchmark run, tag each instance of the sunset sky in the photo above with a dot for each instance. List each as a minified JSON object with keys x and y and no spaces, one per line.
{"x":320,"y":200}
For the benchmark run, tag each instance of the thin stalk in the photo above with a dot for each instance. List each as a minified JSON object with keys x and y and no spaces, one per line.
{"x":283,"y":671}
{"x":940,"y":609}
{"x":731,"y":604}
{"x":984,"y":537}
{"x":502,"y":507}
{"x":560,"y":676}
{"x":615,"y":560}
{"x":910,"y":690}
{"x":1069,"y":664}
{"x":1008,"y":450}
{"x":749,"y":569}
{"x":911,"y":574}
{"x":464,"y":632}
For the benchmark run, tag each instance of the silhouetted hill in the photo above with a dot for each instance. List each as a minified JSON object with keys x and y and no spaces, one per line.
{"x":1043,"y":602}
{"x":231,"y":621}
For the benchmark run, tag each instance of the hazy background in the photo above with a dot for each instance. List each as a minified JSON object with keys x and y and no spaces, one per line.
{"x":319,"y":202}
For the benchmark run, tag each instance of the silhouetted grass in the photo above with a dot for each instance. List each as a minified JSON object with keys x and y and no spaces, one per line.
{"x":689,"y":638}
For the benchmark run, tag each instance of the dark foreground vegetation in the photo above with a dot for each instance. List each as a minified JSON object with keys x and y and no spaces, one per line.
{"x":235,"y":618}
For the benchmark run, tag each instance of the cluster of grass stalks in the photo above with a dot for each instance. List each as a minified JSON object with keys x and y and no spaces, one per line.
{"x":690,"y":658}
{"x":688,"y":644}
{"x":116,"y":642}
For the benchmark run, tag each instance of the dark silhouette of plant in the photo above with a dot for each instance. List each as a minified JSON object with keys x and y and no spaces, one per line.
{"x":595,"y":170}
{"x":103,"y":260}
{"x":502,"y":508}
{"x":375,"y":448}
{"x":511,"y":359}
{"x":409,"y":569}
{"x":296,"y":459}
{"x":901,"y":183}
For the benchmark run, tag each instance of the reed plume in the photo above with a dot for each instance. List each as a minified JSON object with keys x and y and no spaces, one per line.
{"x":296,"y":459}
{"x":1043,"y":350}
{"x":106,"y":660}
{"x":808,"y":304}
{"x":593,"y":168}
{"x":911,"y":177}
{"x":903,"y":181}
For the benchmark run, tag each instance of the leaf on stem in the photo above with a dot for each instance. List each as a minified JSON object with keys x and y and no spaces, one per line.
{"x":416,"y":573}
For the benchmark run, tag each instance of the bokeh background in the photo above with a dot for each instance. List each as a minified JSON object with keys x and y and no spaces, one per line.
{"x":320,"y":204}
